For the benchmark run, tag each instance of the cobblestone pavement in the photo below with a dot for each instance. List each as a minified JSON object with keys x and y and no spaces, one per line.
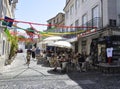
{"x":19,"y":76}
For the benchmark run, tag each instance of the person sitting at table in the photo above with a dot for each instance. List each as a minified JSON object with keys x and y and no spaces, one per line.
{"x":81,"y":61}
{"x":64,"y":62}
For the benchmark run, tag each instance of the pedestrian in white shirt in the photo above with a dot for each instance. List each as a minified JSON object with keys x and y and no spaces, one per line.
{"x":109,"y":54}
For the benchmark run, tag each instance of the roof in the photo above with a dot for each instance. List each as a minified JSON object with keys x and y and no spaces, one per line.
{"x":55,"y":16}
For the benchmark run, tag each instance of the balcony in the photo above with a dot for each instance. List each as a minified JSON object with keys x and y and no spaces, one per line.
{"x":95,"y":22}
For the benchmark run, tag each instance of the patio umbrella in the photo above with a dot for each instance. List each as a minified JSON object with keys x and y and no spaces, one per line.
{"x":54,"y":38}
{"x":63,"y":44}
{"x":47,"y":43}
{"x":51,"y":40}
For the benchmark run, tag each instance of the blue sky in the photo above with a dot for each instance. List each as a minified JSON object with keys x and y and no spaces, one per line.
{"x":38,"y":11}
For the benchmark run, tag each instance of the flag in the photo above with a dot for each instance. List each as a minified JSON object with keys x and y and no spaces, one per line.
{"x":8,"y":21}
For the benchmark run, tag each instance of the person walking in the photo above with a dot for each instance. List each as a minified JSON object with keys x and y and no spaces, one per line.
{"x":33,"y":53}
{"x":49,"y":57}
{"x":37,"y":54}
{"x":28,"y":56}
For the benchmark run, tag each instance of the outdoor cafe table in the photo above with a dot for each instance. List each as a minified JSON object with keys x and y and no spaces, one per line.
{"x":109,"y":68}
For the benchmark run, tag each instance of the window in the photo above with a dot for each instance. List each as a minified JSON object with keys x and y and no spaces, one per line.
{"x":71,"y":10}
{"x":67,"y":14}
{"x":62,"y":30}
{"x":119,"y":19}
{"x":77,"y":3}
{"x":95,"y":16}
{"x":95,"y":11}
{"x":66,"y":29}
{"x":76,"y":24}
{"x":112,"y":22}
{"x":57,"y":20}
{"x":84,"y":21}
{"x":71,"y":29}
{"x":54,"y":21}
{"x":10,"y":1}
{"x":49,"y":26}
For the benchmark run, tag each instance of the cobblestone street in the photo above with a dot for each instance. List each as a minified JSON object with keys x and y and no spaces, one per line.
{"x":19,"y":76}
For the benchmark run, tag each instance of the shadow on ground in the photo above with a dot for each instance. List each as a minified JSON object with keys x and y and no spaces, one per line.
{"x":43,"y":63}
{"x":57,"y":72}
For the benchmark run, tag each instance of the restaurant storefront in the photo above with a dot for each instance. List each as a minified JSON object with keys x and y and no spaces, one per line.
{"x":111,"y":42}
{"x":97,"y":43}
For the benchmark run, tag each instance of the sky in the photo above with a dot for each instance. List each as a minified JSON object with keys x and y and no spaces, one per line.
{"x":37,"y":11}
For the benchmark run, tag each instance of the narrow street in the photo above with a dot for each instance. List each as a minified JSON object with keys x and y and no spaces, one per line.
{"x":80,"y":38}
{"x":19,"y":76}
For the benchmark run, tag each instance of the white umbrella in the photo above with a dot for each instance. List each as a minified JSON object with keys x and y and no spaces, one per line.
{"x":48,"y":43}
{"x":42,"y":45}
{"x":54,"y":38}
{"x":63,"y":44}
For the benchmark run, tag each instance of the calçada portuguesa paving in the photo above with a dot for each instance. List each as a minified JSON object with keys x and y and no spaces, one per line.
{"x":19,"y":76}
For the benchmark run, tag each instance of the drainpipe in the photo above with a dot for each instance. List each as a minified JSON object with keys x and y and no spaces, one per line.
{"x":1,"y":7}
{"x":102,"y":13}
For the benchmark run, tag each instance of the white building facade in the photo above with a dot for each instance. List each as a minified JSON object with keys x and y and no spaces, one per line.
{"x":7,"y":8}
{"x":103,"y":14}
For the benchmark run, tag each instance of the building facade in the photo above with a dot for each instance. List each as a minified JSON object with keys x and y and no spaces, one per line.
{"x":101,"y":20}
{"x":56,"y":22}
{"x":7,"y":8}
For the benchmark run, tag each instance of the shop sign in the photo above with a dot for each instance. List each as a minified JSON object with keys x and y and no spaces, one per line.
{"x":86,"y":33}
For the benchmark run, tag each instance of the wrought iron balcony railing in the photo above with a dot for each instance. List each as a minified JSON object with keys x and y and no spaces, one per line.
{"x":95,"y":22}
